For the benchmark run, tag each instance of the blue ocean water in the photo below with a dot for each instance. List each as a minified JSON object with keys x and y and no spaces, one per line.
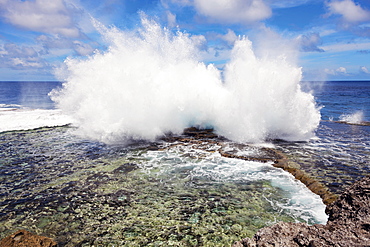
{"x":339,"y":98}
{"x":30,"y":94}
{"x":340,"y":154}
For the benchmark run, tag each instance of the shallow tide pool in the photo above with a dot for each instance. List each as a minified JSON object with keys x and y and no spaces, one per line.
{"x":85,"y":193}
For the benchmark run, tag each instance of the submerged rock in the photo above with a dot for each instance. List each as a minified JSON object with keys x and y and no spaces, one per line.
{"x":281,"y":161}
{"x":348,"y":224}
{"x":362,"y":123}
{"x":23,"y":238}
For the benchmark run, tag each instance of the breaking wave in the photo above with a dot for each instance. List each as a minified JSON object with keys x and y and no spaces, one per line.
{"x":151,"y":81}
{"x":355,"y":118}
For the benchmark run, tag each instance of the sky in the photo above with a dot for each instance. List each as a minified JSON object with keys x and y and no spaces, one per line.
{"x":332,"y":37}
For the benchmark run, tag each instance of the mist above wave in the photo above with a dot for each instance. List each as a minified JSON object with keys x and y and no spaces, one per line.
{"x":151,"y":82}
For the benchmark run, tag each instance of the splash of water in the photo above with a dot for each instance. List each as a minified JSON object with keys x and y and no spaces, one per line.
{"x":151,"y":82}
{"x":355,"y":118}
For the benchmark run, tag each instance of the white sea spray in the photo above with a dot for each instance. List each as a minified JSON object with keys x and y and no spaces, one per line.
{"x":151,"y":82}
{"x":354,"y":118}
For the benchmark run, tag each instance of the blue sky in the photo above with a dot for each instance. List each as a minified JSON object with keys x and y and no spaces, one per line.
{"x":332,"y":37}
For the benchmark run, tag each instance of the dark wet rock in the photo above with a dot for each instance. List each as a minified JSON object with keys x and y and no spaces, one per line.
{"x":194,"y":134}
{"x":23,"y":238}
{"x":363,"y":123}
{"x":200,"y":133}
{"x":126,"y":168}
{"x":348,"y":224}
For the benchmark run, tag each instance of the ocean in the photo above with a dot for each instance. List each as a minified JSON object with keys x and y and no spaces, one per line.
{"x":60,"y":182}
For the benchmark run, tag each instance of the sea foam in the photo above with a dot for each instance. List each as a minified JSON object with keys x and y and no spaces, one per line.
{"x":25,"y":119}
{"x":151,"y":81}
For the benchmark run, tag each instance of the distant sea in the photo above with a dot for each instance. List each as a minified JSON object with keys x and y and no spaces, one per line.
{"x":27,"y":94}
{"x":83,"y":192}
{"x":341,"y":100}
{"x":340,"y":153}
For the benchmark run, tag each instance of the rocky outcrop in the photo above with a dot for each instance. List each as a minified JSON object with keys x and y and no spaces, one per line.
{"x":348,"y":224}
{"x":23,"y":238}
{"x":363,"y":123}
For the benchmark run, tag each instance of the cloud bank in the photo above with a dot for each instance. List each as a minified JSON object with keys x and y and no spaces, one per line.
{"x":40,"y":34}
{"x":349,"y":10}
{"x":41,"y":16}
{"x":20,"y":57}
{"x":352,"y":16}
{"x":226,"y":11}
{"x":233,"y":11}
{"x":310,"y":42}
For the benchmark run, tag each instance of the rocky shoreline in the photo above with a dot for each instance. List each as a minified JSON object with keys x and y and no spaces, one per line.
{"x":194,"y":135}
{"x":72,"y":199}
{"x":348,"y":224}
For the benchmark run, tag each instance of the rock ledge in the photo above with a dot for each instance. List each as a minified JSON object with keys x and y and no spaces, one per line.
{"x":23,"y":238}
{"x":348,"y":224}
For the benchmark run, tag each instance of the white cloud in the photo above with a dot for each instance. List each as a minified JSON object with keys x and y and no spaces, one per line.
{"x":310,"y":42}
{"x":171,"y":19}
{"x":233,"y":11}
{"x":47,"y":16}
{"x":329,"y":71}
{"x":341,"y":70}
{"x":25,"y":63}
{"x":287,"y":3}
{"x":230,"y":37}
{"x":11,"y":49}
{"x":200,"y":41}
{"x":350,"y":11}
{"x":340,"y":47}
{"x":52,"y":43}
{"x":20,"y":57}
{"x":166,"y":3}
{"x":327,"y":32}
{"x":338,"y":71}
{"x":363,"y":69}
{"x":81,"y":48}
{"x":49,"y":42}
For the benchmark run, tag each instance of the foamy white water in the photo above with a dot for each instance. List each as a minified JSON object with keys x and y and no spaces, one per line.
{"x":355,"y":118}
{"x":151,"y":82}
{"x":299,"y":201}
{"x":25,"y":119}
